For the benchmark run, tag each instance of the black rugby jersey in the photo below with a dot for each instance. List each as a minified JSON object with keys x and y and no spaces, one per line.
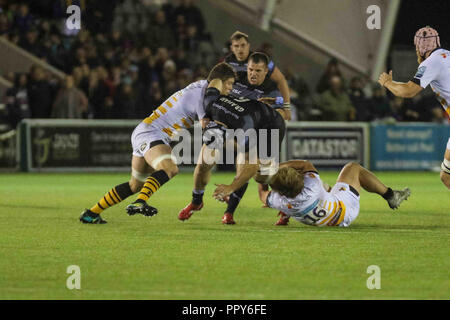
{"x":241,"y":113}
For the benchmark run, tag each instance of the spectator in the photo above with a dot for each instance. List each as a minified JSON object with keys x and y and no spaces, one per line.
{"x":71,"y":102}
{"x":23,"y":20}
{"x":97,"y":92}
{"x":335,"y":103}
{"x":99,"y":15}
{"x":40,"y":93}
{"x":17,"y":101}
{"x":168,"y":78}
{"x":301,"y":96}
{"x":124,"y":102}
{"x":428,"y":108}
{"x":359,"y":100}
{"x":162,"y":55}
{"x":4,"y":23}
{"x":379,"y":103}
{"x":181,"y":60}
{"x":31,"y":44}
{"x":398,"y":109}
{"x":147,"y":71}
{"x":190,"y":43}
{"x":331,"y":70}
{"x":191,"y":14}
{"x":160,"y":33}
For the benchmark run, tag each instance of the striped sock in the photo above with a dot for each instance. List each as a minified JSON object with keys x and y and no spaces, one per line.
{"x":114,"y":196}
{"x":152,"y":184}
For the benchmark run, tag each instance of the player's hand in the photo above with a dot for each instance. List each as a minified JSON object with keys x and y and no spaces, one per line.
{"x":384,"y":78}
{"x":267,"y":100}
{"x":204,"y":122}
{"x":222,"y":191}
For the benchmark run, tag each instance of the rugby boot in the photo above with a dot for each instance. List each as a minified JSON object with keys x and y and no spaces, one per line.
{"x":228,"y":219}
{"x":141,"y":208}
{"x":90,"y":217}
{"x":188,"y":211}
{"x":398,"y":197}
{"x":284,"y":219}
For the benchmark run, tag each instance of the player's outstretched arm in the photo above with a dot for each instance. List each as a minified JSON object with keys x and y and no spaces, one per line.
{"x":400,"y":89}
{"x":245,"y":173}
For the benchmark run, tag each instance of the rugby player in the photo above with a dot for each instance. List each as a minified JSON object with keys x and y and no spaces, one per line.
{"x":298,"y":192}
{"x":227,"y":112}
{"x":152,"y":164}
{"x":434,"y":70}
{"x":255,"y":86}
{"x":249,"y":83}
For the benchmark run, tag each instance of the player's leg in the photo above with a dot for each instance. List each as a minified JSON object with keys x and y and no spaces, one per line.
{"x":202,"y":174}
{"x":445,"y":172}
{"x":236,"y":196}
{"x":357,"y":177}
{"x":140,"y":171}
{"x":159,"y":157}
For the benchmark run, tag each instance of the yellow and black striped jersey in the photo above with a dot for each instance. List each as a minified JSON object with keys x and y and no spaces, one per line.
{"x":180,"y":110}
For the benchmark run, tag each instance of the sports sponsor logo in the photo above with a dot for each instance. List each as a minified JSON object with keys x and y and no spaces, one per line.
{"x":420,"y":72}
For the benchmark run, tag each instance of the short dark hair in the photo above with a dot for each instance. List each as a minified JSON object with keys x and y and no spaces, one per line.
{"x":222,"y":71}
{"x":258,"y":57}
{"x":239,"y":35}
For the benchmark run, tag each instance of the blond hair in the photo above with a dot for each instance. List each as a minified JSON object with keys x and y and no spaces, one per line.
{"x":287,"y":182}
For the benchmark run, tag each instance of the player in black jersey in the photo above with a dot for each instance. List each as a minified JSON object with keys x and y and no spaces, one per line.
{"x":257,"y":86}
{"x":240,"y":60}
{"x":226,"y":113}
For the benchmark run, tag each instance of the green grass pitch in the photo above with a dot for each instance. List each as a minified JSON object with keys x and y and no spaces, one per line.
{"x":163,"y":258}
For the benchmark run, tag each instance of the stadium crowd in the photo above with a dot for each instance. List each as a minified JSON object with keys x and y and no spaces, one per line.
{"x":131,"y":55}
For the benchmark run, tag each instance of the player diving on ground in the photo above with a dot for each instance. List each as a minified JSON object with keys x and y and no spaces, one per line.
{"x":298,"y":192}
{"x":152,"y":163}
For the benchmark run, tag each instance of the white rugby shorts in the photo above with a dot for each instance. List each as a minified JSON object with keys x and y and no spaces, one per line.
{"x":350,"y":200}
{"x":143,"y":136}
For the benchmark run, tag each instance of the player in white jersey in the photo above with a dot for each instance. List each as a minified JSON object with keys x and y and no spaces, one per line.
{"x":434,"y":70}
{"x":152,"y":164}
{"x":298,"y":192}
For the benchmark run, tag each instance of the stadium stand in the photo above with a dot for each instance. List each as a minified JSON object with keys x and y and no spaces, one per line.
{"x":128,"y":57}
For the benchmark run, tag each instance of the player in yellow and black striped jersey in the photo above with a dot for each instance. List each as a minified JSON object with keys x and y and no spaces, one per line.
{"x":152,"y":164}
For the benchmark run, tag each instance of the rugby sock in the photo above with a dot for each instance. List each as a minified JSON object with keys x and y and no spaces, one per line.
{"x":389,"y":193}
{"x":235,"y":198}
{"x":114,"y":196}
{"x":197,"y":197}
{"x":152,"y":184}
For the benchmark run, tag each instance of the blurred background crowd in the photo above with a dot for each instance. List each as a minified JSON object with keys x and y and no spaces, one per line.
{"x":131,"y":55}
